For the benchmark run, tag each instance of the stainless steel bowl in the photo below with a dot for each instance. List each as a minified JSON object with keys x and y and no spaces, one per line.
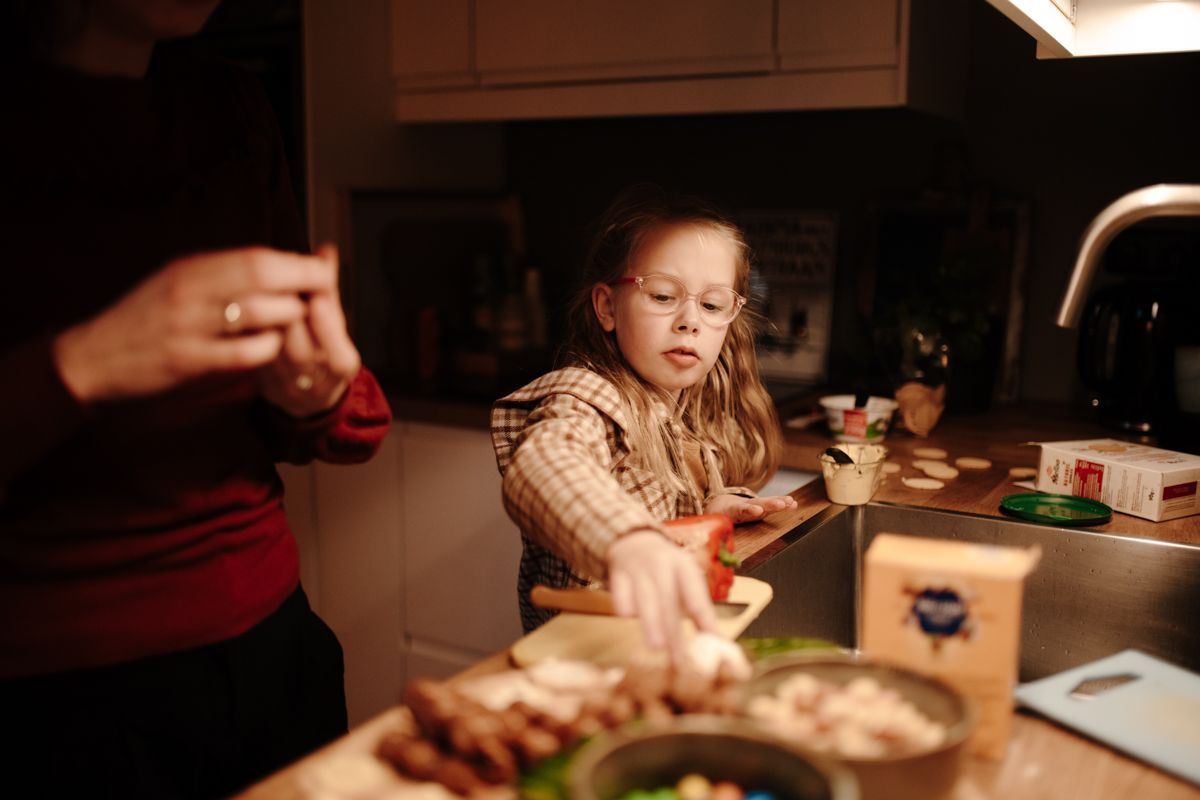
{"x":646,"y":756}
{"x":921,"y":775}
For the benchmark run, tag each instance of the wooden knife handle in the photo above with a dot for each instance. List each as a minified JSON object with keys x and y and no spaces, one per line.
{"x":579,"y":600}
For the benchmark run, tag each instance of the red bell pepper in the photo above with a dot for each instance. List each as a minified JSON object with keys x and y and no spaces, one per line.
{"x":710,"y":536}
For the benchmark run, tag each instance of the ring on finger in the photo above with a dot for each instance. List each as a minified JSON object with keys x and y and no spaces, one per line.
{"x":304,"y":381}
{"x":231,"y":316}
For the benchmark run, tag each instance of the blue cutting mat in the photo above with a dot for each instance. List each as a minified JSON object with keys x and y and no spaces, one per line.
{"x":1155,"y":718}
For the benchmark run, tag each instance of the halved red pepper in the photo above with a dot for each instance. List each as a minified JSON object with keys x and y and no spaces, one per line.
{"x":710,"y":536}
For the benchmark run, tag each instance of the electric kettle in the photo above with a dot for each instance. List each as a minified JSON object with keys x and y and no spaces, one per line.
{"x":1125,"y":355}
{"x":1142,"y":354}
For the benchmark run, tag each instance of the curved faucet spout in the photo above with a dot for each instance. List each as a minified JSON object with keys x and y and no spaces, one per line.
{"x":1160,"y":200}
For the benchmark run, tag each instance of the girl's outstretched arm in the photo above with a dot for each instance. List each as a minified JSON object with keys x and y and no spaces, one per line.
{"x":559,"y":488}
{"x":660,"y":583}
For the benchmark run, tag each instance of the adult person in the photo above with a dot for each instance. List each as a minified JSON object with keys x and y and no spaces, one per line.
{"x":164,"y":339}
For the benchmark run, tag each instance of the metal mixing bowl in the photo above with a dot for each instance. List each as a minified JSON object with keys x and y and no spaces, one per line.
{"x":645,"y":756}
{"x":922,"y":775}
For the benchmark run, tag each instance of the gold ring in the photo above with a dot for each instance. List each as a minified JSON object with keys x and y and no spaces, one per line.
{"x":232,"y":313}
{"x":304,"y":382}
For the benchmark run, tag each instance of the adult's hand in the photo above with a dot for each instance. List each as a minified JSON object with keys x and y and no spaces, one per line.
{"x":213,"y":312}
{"x":661,"y":584}
{"x":318,"y":360}
{"x":748,"y":509}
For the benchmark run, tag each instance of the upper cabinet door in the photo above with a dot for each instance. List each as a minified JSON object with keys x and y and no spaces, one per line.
{"x":548,"y":41}
{"x":815,"y":34}
{"x":462,"y":60}
{"x":431,"y":43}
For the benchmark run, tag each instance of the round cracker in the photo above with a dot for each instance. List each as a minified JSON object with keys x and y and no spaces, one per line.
{"x":928,"y":484}
{"x":972,"y":462}
{"x":1022,"y":472}
{"x":943,"y":472}
{"x":922,"y":463}
{"x":891,"y":467}
{"x":930,"y":452}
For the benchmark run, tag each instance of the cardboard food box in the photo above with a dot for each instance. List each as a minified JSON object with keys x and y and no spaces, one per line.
{"x":951,"y":610}
{"x":1131,"y":478}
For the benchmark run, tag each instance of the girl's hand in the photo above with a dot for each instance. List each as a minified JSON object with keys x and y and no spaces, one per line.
{"x":660,"y":583}
{"x":748,"y":509}
{"x":214,"y":312}
{"x":318,"y":360}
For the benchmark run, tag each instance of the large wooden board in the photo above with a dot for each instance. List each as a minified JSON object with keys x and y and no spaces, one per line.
{"x":615,"y":641}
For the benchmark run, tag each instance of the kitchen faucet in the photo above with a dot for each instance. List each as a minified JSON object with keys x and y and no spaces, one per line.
{"x":1160,"y":200}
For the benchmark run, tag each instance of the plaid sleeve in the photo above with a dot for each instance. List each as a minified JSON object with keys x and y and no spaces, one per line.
{"x":560,"y":489}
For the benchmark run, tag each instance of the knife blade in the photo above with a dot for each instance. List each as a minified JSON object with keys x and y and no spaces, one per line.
{"x":599,"y":601}
{"x":1088,"y":689}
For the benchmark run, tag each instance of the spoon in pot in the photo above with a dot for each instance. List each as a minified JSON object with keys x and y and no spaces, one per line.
{"x":840,"y":456}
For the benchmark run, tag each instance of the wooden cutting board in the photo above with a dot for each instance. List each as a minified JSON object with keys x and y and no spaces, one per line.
{"x":614,"y":641}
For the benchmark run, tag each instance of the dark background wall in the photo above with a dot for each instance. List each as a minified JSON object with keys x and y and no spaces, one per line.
{"x":1061,"y":138}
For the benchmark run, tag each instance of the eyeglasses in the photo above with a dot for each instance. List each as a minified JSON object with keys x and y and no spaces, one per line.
{"x":663,"y":294}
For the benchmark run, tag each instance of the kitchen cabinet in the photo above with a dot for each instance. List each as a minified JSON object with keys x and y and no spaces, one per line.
{"x":410,"y":558}
{"x":548,"y":41}
{"x":838,"y":34}
{"x":1066,"y":28}
{"x":529,"y":59}
{"x":461,"y":551}
{"x":431,"y":43}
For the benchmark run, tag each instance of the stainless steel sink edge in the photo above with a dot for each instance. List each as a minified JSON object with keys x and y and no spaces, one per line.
{"x":1093,"y":594}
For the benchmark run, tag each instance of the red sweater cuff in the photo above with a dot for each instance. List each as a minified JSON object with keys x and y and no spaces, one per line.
{"x":348,"y":433}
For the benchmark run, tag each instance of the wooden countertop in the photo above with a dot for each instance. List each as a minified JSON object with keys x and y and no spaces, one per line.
{"x":1044,"y":761}
{"x":1000,"y":436}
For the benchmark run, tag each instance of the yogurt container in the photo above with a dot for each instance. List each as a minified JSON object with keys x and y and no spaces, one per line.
{"x":854,"y":484}
{"x":866,"y":424}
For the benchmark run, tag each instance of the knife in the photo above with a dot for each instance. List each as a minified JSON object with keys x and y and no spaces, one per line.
{"x":1090,"y":688}
{"x":599,"y":601}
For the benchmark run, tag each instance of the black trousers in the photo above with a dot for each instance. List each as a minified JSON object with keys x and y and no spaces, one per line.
{"x":197,"y":724}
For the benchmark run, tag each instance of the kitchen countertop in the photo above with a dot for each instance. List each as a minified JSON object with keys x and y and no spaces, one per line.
{"x":1043,"y":760}
{"x":1000,"y":435}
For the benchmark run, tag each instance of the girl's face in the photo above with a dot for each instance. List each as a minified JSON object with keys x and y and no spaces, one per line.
{"x":676,"y":350}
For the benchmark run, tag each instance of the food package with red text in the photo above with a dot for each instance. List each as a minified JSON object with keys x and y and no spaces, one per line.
{"x":1131,"y":478}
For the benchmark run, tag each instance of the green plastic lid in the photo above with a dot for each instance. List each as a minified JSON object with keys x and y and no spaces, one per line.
{"x":1056,"y":509}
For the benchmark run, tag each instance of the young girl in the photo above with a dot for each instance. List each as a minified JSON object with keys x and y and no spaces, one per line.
{"x":657,"y":413}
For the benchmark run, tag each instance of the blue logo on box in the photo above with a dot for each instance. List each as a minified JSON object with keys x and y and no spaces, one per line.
{"x":940,"y":614}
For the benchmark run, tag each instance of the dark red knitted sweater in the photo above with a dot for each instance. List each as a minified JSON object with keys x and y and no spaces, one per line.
{"x":150,"y":526}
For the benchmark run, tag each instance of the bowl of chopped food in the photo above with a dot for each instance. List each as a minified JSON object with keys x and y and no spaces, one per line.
{"x":902,"y":734}
{"x":700,"y":757}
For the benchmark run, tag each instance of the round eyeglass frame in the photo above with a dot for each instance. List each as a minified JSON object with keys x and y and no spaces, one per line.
{"x":640,"y":280}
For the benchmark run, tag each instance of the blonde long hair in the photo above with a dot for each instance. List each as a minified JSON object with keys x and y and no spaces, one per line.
{"x":730,"y":409}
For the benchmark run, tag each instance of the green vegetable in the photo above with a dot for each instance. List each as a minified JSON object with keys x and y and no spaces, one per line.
{"x":547,"y":779}
{"x":661,"y":793}
{"x":758,"y":648}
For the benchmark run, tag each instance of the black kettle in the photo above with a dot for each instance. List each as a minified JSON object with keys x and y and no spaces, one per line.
{"x":1137,"y":352}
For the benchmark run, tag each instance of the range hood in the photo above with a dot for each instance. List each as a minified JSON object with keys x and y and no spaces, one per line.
{"x":1071,"y":28}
